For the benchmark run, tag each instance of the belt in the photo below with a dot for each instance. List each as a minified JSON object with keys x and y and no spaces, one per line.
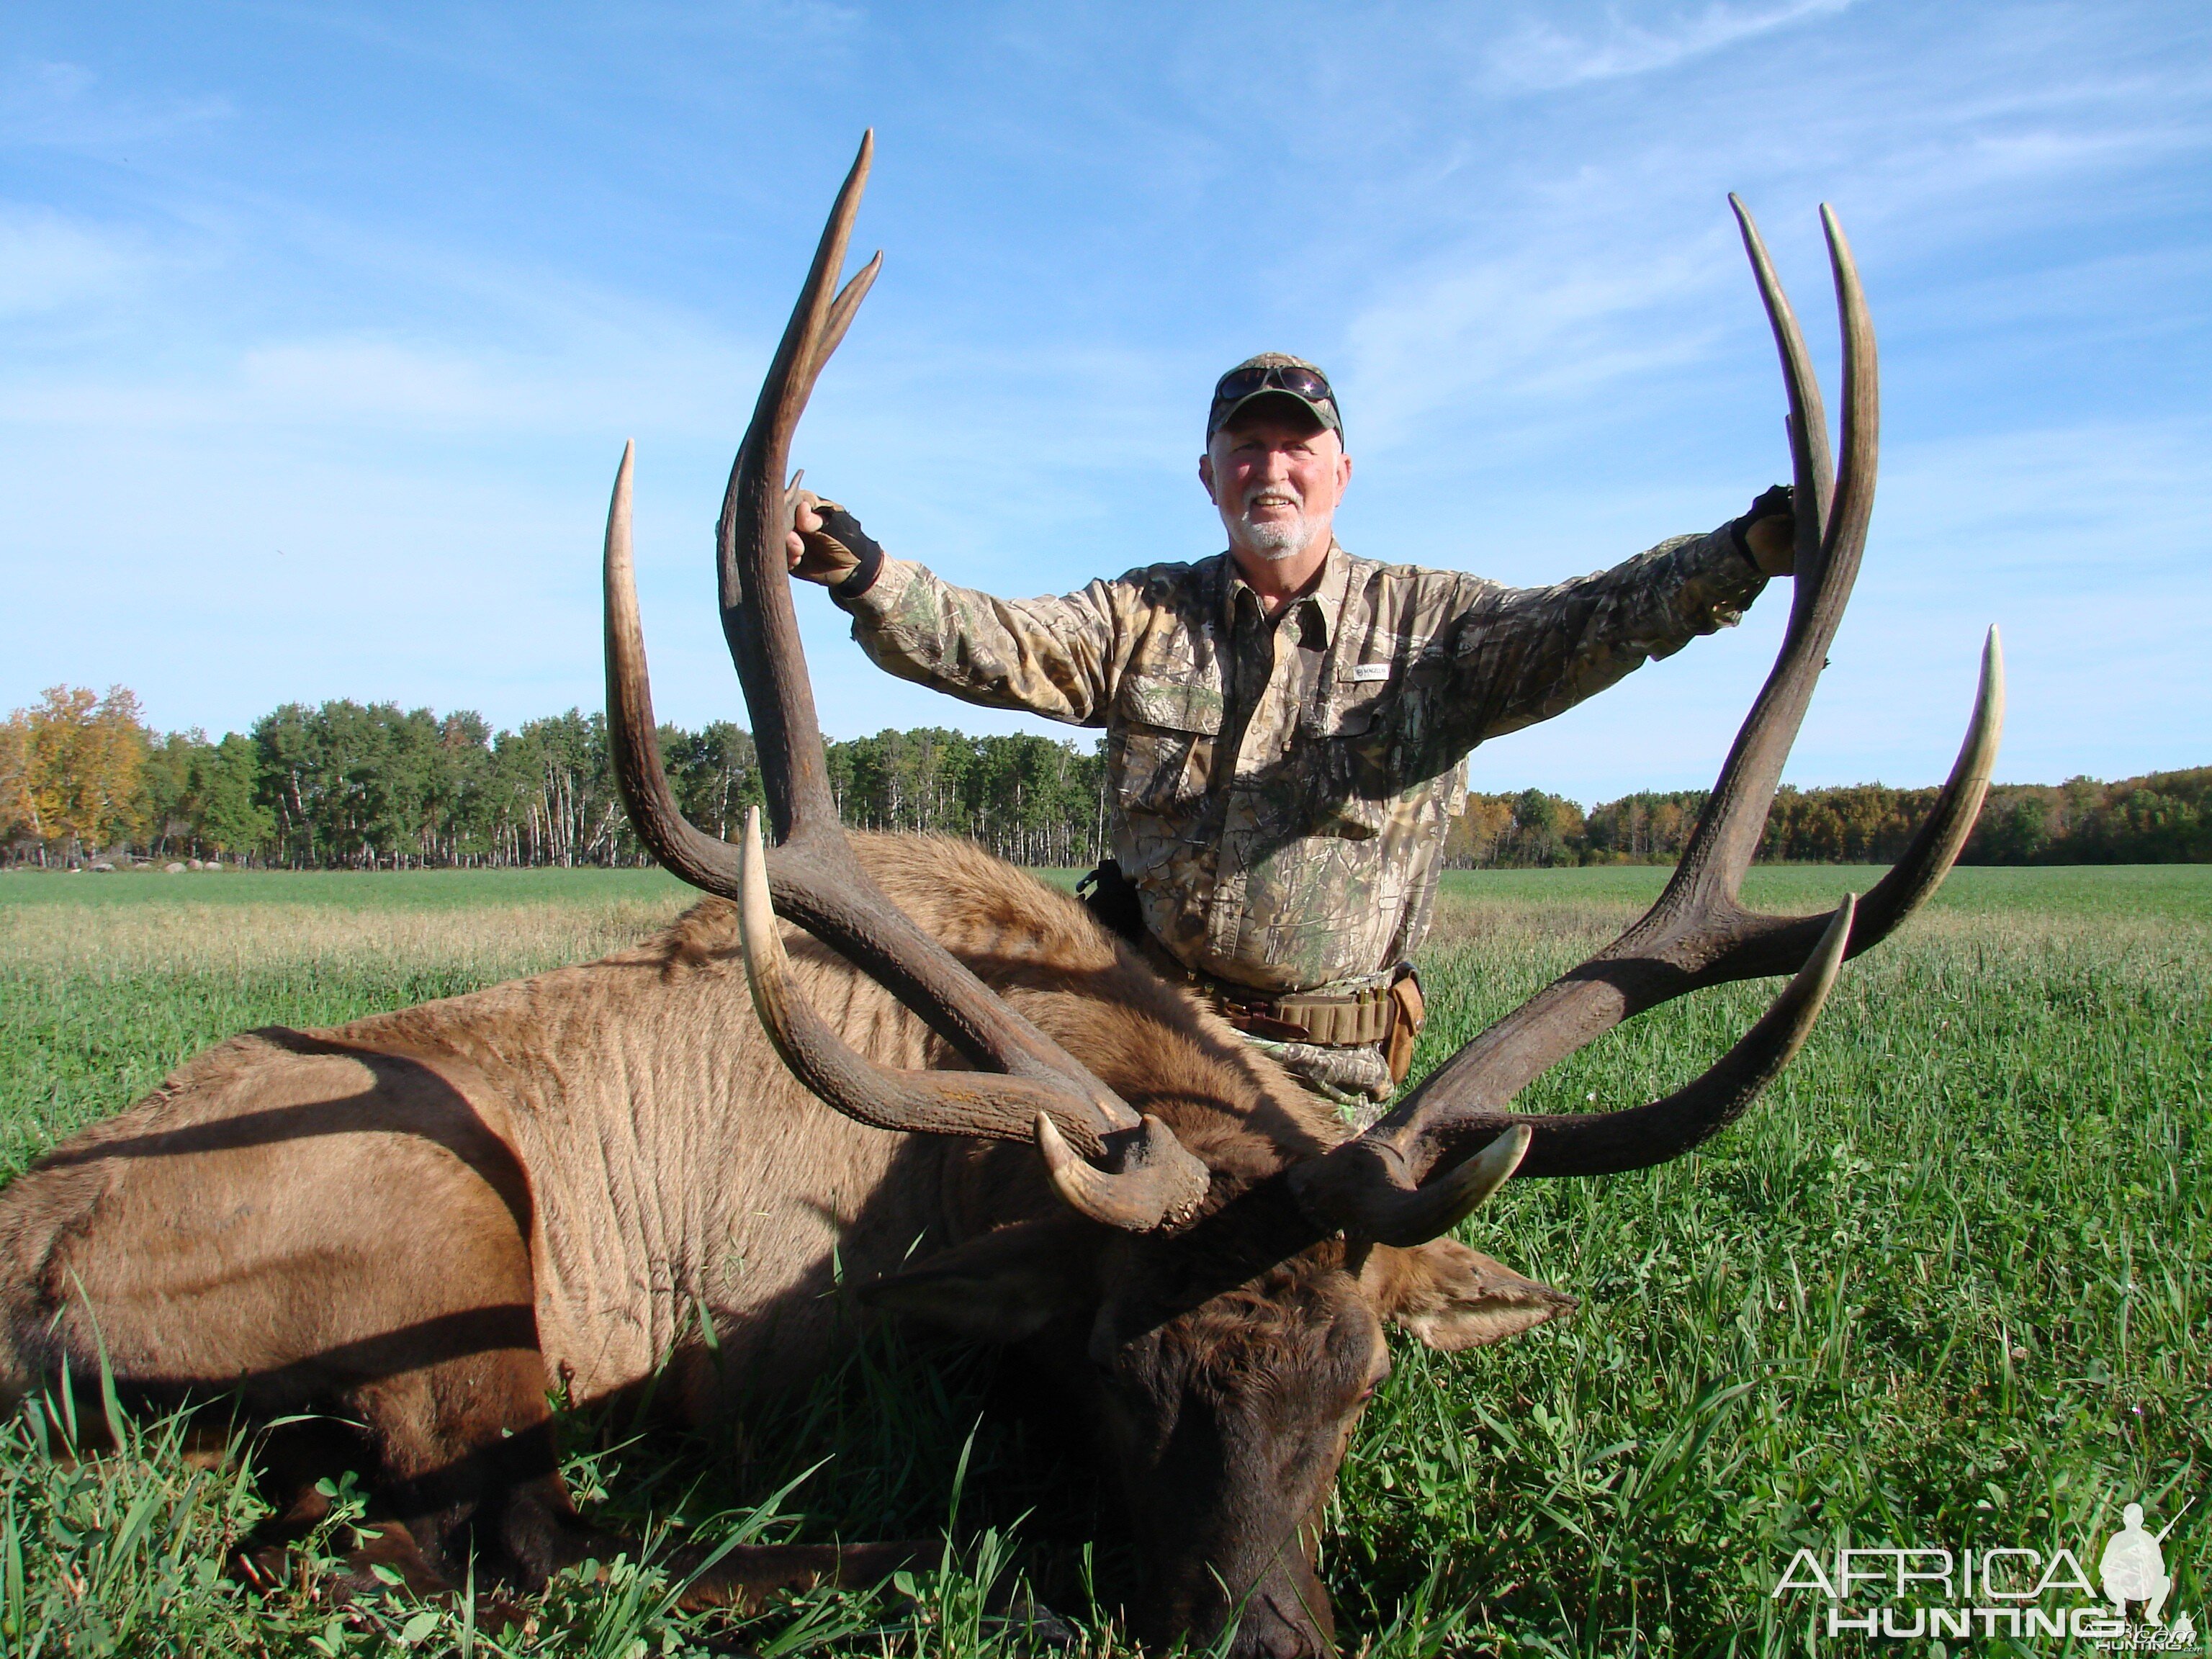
{"x":1343,"y":1019}
{"x":1388,"y":1015}
{"x":1354,"y":1021}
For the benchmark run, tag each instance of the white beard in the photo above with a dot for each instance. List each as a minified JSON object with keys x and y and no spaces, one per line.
{"x":1274,"y":539}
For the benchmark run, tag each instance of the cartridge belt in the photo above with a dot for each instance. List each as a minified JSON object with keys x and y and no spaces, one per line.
{"x":1328,"y":1019}
{"x":1349,"y":1021}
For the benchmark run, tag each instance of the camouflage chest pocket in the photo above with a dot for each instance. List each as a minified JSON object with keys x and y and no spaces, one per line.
{"x":1359,"y":701}
{"x":1163,"y":738}
{"x":1350,"y":738}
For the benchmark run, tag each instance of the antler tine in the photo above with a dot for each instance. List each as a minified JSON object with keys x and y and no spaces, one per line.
{"x":1369,"y":1191}
{"x":701,"y":860}
{"x":1852,"y":509}
{"x":1388,"y":1187}
{"x":841,"y":312}
{"x":1606,"y":1143}
{"x":1697,"y":933}
{"x":1711,"y":871}
{"x":1806,"y":421}
{"x":1378,"y":1187}
{"x":809,"y":338}
{"x":758,"y":616}
{"x":1752,"y":946}
{"x":1936,"y":845}
{"x":1159,"y":1180}
{"x":1755,"y":945}
{"x":841,"y":905}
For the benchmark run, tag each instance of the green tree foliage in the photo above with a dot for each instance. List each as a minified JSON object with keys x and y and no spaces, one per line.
{"x":715,"y":774}
{"x":1645,"y":827}
{"x":2162,"y":817}
{"x":345,"y":785}
{"x":1026,"y":799}
{"x":348,"y":786}
{"x":227,"y":817}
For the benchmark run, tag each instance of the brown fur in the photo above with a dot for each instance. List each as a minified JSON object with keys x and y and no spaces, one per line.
{"x":424,"y":1219}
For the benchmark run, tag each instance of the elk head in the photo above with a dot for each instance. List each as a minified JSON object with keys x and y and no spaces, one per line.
{"x":1222,"y":1319}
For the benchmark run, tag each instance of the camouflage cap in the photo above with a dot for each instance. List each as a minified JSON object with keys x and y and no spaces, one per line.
{"x":1264,"y":376}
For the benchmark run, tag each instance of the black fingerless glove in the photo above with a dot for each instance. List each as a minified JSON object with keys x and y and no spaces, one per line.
{"x":842,"y":528}
{"x":1776,"y":500}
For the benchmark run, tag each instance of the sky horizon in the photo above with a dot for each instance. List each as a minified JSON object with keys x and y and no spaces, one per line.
{"x":328,"y":323}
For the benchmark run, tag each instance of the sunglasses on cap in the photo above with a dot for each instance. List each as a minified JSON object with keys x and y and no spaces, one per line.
{"x":1240,"y":383}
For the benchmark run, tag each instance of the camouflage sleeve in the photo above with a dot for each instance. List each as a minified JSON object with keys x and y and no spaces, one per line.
{"x":1523,"y":654}
{"x":1050,"y":656}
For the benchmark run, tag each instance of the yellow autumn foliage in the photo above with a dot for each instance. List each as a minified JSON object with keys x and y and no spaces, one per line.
{"x":69,"y":765}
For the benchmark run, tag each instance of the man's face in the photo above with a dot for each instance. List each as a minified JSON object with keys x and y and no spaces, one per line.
{"x":1276,"y":480}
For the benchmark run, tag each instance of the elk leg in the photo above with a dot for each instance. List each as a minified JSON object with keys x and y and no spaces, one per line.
{"x":290,"y":1465}
{"x":467,"y":1465}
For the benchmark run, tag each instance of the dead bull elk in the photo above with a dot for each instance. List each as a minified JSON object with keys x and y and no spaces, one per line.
{"x":423,"y":1220}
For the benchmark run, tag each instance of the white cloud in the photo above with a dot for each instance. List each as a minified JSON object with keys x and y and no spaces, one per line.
{"x":59,"y":104}
{"x":1530,"y":325}
{"x":49,"y":262}
{"x":425,"y":340}
{"x":2081,"y":510}
{"x":1543,"y":56}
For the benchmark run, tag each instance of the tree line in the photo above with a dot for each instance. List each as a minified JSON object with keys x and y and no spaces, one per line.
{"x":2160,"y":817}
{"x":350,"y":786}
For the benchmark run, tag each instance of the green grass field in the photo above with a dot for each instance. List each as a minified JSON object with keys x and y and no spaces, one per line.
{"x":1946,"y":1284}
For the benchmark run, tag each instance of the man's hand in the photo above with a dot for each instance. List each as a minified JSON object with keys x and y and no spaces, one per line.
{"x":1767,"y":535}
{"x":826,"y":545}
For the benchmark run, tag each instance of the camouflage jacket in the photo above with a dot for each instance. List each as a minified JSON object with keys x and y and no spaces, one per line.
{"x":1280,"y":789}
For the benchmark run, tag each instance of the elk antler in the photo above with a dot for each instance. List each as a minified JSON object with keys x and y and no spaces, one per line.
{"x":812,"y":877}
{"x":1380,"y":1185}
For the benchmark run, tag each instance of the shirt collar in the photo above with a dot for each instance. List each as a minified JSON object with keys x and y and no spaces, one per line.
{"x":1322,"y":603}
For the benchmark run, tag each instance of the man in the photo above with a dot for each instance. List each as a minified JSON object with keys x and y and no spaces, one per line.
{"x":2133,"y":1567}
{"x":1286,"y":724}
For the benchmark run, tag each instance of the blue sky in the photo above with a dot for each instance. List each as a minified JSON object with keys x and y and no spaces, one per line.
{"x":324,"y":327}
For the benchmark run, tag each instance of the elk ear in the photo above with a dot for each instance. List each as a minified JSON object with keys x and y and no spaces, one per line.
{"x":1007,"y":1284}
{"x":1453,"y":1298}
